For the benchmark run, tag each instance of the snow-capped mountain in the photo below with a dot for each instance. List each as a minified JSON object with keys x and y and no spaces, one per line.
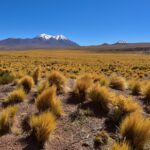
{"x":40,"y":41}
{"x":48,"y":37}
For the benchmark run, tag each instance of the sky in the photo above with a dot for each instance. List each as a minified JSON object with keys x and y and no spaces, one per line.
{"x":87,"y":22}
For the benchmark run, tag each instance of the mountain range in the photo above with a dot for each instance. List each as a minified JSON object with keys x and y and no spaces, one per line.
{"x":45,"y":41}
{"x":40,"y":41}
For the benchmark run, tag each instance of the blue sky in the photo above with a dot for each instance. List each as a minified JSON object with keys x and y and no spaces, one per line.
{"x":87,"y":22}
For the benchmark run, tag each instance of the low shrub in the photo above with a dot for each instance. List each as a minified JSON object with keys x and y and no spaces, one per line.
{"x":135,"y":130}
{"x":5,"y":77}
{"x":7,"y":119}
{"x":42,"y":126}
{"x":26,"y":83}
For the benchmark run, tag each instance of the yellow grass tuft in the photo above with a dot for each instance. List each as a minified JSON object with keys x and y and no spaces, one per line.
{"x":101,"y":96}
{"x":42,"y":126}
{"x":82,"y":87}
{"x":26,"y":83}
{"x":44,"y":85}
{"x":48,"y":100}
{"x":122,"y":106}
{"x":137,"y":88}
{"x":36,"y":75}
{"x":147,"y":92}
{"x":16,"y":96}
{"x":121,"y":146}
{"x":136,"y":130}
{"x":118,"y":83}
{"x":7,"y":119}
{"x":58,"y":79}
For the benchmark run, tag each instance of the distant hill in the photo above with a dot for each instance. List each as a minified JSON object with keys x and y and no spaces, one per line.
{"x":41,"y":41}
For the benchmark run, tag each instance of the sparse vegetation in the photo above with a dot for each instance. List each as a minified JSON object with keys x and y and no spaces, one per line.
{"x":42,"y":126}
{"x":101,"y":110}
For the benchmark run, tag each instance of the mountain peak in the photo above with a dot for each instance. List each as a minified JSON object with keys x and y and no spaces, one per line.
{"x":47,"y":37}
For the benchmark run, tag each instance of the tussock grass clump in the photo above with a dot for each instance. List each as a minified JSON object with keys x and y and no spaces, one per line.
{"x":118,"y":83}
{"x":44,"y":85}
{"x":7,"y":119}
{"x":137,"y":88}
{"x":135,"y":129}
{"x":16,"y":96}
{"x":82,"y":87}
{"x":121,"y":146}
{"x":101,"y":96}
{"x":101,"y":79}
{"x":26,"y":83}
{"x":57,"y":79}
{"x":48,"y":100}
{"x":146,"y":93}
{"x":36,"y":75}
{"x":42,"y":126}
{"x":123,"y":106}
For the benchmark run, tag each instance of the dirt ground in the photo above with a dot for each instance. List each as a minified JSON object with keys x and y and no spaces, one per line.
{"x":75,"y":130}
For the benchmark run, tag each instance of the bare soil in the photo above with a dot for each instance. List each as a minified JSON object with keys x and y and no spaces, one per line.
{"x":76,"y":130}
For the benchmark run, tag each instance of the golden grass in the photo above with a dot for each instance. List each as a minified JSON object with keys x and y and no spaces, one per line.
{"x":136,"y":130}
{"x":82,"y":87}
{"x":118,"y":83}
{"x":101,"y":79}
{"x":48,"y":100}
{"x":146,"y":92}
{"x":7,"y":119}
{"x":42,"y":126}
{"x":123,"y":106}
{"x":101,"y":96}
{"x":26,"y":83}
{"x":76,"y":62}
{"x":58,"y":79}
{"x":36,"y":75}
{"x":44,"y":85}
{"x":137,"y":88}
{"x":16,"y":96}
{"x":121,"y":146}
